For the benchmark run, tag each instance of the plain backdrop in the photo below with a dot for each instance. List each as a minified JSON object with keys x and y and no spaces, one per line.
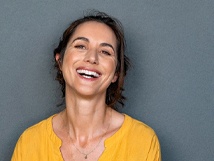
{"x":170,"y":86}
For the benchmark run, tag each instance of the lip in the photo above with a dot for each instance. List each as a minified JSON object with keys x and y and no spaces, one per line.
{"x":89,"y":70}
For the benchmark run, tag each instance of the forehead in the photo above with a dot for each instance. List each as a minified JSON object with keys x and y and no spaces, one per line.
{"x":94,"y":29}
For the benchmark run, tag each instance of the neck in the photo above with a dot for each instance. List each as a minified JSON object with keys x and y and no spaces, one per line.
{"x":85,"y":118}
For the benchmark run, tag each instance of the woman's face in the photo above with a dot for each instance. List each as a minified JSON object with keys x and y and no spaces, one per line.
{"x":90,"y":59}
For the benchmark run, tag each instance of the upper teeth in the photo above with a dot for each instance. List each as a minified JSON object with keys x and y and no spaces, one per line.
{"x":87,"y":72}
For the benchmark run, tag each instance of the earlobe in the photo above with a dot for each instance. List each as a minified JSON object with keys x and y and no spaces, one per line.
{"x":115,"y":78}
{"x":57,"y":57}
{"x":58,"y":60}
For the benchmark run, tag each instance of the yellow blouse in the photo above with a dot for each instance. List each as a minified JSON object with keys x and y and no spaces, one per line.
{"x":134,"y":141}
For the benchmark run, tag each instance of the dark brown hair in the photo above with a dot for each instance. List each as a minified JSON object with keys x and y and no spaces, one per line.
{"x":114,"y":91}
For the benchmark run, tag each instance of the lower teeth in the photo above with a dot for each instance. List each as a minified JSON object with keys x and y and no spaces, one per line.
{"x":87,"y":76}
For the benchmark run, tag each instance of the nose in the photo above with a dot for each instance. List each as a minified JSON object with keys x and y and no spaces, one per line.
{"x":91,"y":57}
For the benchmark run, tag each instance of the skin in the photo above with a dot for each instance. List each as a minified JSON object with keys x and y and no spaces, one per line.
{"x":87,"y":119}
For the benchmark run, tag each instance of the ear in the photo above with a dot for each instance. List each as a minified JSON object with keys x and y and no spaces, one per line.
{"x":57,"y":57}
{"x":115,"y":78}
{"x":58,"y":60}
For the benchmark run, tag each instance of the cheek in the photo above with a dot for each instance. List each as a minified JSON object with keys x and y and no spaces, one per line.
{"x":111,"y":64}
{"x":67,"y":63}
{"x":115,"y":64}
{"x":111,"y":68}
{"x":70,"y":58}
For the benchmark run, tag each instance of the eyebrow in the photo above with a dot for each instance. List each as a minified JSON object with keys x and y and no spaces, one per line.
{"x":108,"y":45}
{"x":87,"y":40}
{"x":81,"y":38}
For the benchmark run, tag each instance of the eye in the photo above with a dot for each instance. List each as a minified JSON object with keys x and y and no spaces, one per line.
{"x":105,"y":52}
{"x":80,"y":46}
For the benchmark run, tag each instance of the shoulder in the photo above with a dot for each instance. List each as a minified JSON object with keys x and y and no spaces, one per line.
{"x":142,"y":138}
{"x":126,"y":125}
{"x":138,"y":127}
{"x":138,"y":132}
{"x":37,"y":130}
{"x":34,"y":140}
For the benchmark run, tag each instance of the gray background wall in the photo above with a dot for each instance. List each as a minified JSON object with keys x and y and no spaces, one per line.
{"x":170,"y":87}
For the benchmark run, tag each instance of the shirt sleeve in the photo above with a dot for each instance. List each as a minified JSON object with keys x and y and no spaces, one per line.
{"x":25,"y":147}
{"x":154,"y":153}
{"x":17,"y":151}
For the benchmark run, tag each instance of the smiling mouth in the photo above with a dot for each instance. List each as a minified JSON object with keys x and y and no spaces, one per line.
{"x":87,"y":73}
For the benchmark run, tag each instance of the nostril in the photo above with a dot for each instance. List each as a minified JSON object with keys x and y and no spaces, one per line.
{"x":91,"y":57}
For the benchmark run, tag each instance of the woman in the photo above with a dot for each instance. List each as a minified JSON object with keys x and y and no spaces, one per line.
{"x":91,"y":68}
